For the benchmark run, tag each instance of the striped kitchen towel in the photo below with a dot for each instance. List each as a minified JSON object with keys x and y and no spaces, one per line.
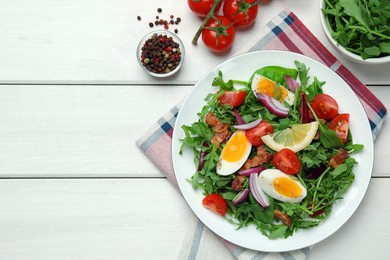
{"x":284,"y":32}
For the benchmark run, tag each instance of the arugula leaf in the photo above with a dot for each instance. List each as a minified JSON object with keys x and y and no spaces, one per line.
{"x":314,"y":155}
{"x":279,"y":232}
{"x":329,"y":138}
{"x":314,"y":88}
{"x":346,"y":166}
{"x":302,"y":71}
{"x":360,"y":26}
{"x":352,"y":9}
{"x":219,"y":82}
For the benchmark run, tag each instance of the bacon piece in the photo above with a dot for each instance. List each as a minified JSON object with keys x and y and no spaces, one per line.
{"x":262,"y":156}
{"x":221,"y":130}
{"x":237,"y":182}
{"x":283,"y":217}
{"x":339,"y":158}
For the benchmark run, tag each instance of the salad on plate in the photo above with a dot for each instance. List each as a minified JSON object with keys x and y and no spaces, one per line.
{"x":272,"y":151}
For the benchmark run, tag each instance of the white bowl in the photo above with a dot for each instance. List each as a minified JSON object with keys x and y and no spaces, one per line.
{"x":176,"y":51}
{"x":341,"y":49}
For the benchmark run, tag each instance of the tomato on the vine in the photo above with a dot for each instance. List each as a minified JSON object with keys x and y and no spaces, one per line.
{"x":254,"y":134}
{"x":202,"y":7}
{"x":286,"y":161}
{"x":340,"y":125}
{"x":232,"y":98}
{"x":219,"y":34}
{"x":215,"y":203}
{"x":325,"y":106}
{"x":242,"y":12}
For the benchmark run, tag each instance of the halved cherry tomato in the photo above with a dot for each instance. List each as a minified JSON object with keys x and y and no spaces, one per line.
{"x":325,"y":106}
{"x":254,"y":135}
{"x":287,"y":161}
{"x":340,"y":124}
{"x":232,"y":98}
{"x":242,"y":12}
{"x":202,"y":7}
{"x":216,"y":203}
{"x":219,"y":34}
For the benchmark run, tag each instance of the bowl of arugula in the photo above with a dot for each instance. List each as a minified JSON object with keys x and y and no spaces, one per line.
{"x":358,"y":29}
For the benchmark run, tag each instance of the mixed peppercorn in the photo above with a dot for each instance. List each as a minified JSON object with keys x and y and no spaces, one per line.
{"x":160,"y":54}
{"x":164,"y":22}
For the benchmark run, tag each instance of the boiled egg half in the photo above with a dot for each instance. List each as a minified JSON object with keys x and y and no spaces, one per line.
{"x":234,"y":154}
{"x":261,"y":84}
{"x":281,"y":186}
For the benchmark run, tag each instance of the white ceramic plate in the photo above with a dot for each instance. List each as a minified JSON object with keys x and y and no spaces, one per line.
{"x":242,"y":67}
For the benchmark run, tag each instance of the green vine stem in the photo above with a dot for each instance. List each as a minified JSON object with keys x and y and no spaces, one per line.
{"x":203,"y":24}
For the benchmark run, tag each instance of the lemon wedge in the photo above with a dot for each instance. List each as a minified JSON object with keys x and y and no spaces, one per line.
{"x":295,"y":138}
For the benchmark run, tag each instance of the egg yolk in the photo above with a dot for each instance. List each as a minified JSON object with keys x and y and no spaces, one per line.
{"x":287,"y":187}
{"x":270,"y":88}
{"x":235,"y":148}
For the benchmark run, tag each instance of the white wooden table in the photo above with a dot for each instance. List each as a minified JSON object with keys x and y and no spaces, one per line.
{"x":73,"y":100}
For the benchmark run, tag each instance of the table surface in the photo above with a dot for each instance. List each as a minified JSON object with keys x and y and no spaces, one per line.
{"x":73,"y":100}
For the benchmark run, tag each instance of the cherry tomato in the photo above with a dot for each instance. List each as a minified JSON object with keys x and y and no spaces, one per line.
{"x":242,"y":12}
{"x":254,"y":135}
{"x":202,"y":7}
{"x":232,"y":98}
{"x":286,"y":161}
{"x":216,"y":203}
{"x":219,"y":34}
{"x":325,"y":106}
{"x":340,"y":124}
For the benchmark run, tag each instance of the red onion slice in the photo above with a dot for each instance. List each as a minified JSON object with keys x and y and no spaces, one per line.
{"x":249,"y":171}
{"x":257,"y":192}
{"x":305,"y":116}
{"x":274,"y":106}
{"x":291,"y":83}
{"x":241,"y":197}
{"x":248,"y":125}
{"x":239,"y":119}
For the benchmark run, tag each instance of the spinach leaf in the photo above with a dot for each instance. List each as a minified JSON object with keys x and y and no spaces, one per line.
{"x":276,"y":73}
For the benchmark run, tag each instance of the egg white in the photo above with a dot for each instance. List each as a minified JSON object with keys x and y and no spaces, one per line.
{"x":224,"y":167}
{"x":256,"y":78}
{"x":266,"y":180}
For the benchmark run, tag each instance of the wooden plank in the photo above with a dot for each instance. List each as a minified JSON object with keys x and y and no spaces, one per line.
{"x":120,"y":219}
{"x":79,"y":130}
{"x":95,"y":41}
{"x":87,"y":131}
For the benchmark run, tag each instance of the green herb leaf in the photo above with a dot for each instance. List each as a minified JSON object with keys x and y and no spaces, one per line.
{"x":352,"y":9}
{"x":360,"y":26}
{"x":314,"y":88}
{"x":278,"y":232}
{"x":329,"y":138}
{"x":302,"y":71}
{"x":276,"y":73}
{"x":219,"y":82}
{"x":372,"y":51}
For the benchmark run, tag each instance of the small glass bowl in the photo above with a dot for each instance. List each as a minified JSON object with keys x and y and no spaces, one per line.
{"x":163,"y":52}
